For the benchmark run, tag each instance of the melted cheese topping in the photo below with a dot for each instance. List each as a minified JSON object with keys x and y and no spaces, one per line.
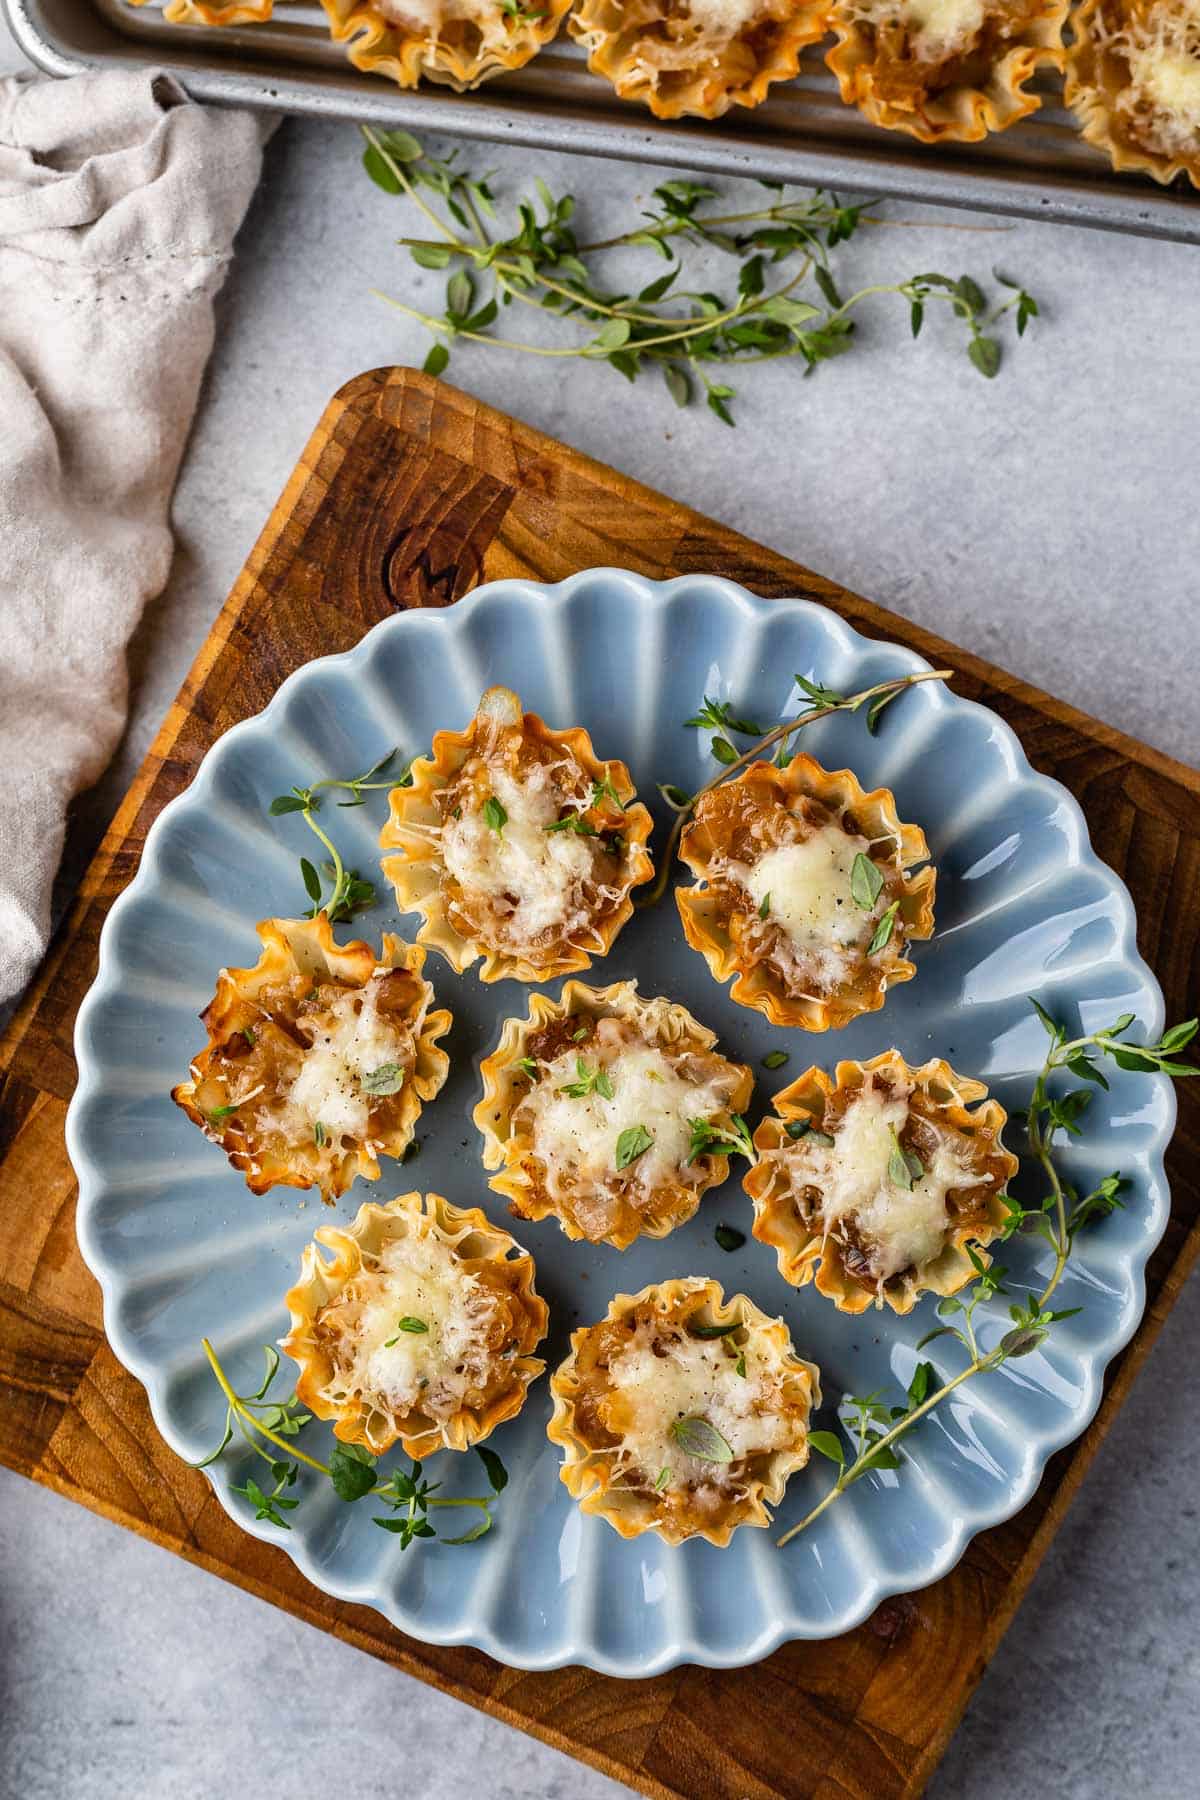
{"x":416,"y":1278}
{"x":696,"y":1379}
{"x":576,"y":1137}
{"x":537,"y":873}
{"x":942,"y":26}
{"x":722,"y":18}
{"x":1171,"y":80}
{"x":806,"y":889}
{"x":349,"y":1044}
{"x":900,"y":1227}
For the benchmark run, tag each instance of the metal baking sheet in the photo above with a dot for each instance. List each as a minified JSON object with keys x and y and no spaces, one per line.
{"x":1039,"y":169}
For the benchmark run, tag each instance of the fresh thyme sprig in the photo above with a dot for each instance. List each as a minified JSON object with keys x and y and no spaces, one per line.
{"x":876,"y":1429}
{"x":348,"y":893}
{"x":824,"y":701}
{"x":351,"y":1470}
{"x":708,"y":1139}
{"x":540,"y":263}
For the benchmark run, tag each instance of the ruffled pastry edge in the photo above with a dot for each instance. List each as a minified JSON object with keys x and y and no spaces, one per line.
{"x":589,"y":1475}
{"x":307,"y":946}
{"x":760,"y":986}
{"x":468,"y":1233}
{"x":414,"y":871}
{"x":504,"y":1087}
{"x":800,"y":1250}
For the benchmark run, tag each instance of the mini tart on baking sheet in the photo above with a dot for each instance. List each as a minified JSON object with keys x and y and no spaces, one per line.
{"x":457,"y":43}
{"x":319,"y":1058}
{"x":1133,"y":82}
{"x":421,"y":1329}
{"x":682,"y":1412}
{"x":875,"y":1182}
{"x":696,"y":57}
{"x":517,"y":845}
{"x":804,"y":892}
{"x":945,"y":71}
{"x":596,"y":1110}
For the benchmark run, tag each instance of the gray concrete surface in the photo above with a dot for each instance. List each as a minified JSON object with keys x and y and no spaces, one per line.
{"x":1044,"y":520}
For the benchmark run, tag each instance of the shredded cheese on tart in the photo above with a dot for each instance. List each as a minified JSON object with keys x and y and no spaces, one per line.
{"x":941,"y":27}
{"x":801,"y":890}
{"x":696,"y":57}
{"x":517,"y":845}
{"x":523,"y":880}
{"x":394,"y":1366}
{"x":804,"y":893}
{"x":650,"y":1393}
{"x":575,"y":1137}
{"x":419,"y":1329}
{"x":608,"y":1111}
{"x":1133,"y":81}
{"x":319,"y":1058}
{"x":351,"y":1043}
{"x":877,"y":1181}
{"x":682,"y":1413}
{"x":900,"y":1223}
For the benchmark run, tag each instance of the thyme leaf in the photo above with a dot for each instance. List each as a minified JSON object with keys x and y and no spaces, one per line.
{"x":633,"y":1142}
{"x":698,"y":1439}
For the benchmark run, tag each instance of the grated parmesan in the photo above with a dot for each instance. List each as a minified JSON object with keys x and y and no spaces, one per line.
{"x":415,"y":1278}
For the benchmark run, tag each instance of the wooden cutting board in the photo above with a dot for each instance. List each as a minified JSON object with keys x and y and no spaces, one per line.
{"x":408,"y":495}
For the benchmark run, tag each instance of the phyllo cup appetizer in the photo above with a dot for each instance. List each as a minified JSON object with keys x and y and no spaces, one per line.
{"x":945,"y":71}
{"x":420,"y":1329}
{"x":1133,"y":81}
{"x":696,"y":57}
{"x":682,"y":1412}
{"x":611,"y":1113}
{"x":805,"y":894}
{"x":458,"y":43}
{"x":319,"y":1058}
{"x":516,"y":844}
{"x":877,"y":1181}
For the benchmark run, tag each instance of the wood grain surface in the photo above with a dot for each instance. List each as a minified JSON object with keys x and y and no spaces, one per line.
{"x":408,"y":494}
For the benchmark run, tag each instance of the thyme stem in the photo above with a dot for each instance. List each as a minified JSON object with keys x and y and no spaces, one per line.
{"x":850,"y":704}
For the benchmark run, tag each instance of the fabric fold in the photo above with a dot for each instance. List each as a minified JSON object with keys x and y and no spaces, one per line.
{"x":119,"y":201}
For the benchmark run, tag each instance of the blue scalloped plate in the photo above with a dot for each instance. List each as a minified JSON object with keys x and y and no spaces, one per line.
{"x":182,"y":1249}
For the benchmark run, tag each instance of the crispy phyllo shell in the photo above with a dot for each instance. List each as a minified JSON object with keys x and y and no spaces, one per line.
{"x":804,"y":894}
{"x":1133,"y":82}
{"x":318,"y":1060}
{"x":200,"y":12}
{"x":696,"y":57}
{"x":609,"y":1113}
{"x":945,"y":71}
{"x":517,"y":845}
{"x":421,"y":1329}
{"x":877,"y":1181}
{"x":458,"y":43}
{"x":682,"y":1412}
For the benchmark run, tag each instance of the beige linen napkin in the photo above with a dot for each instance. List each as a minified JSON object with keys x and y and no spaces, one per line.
{"x":119,"y":200}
